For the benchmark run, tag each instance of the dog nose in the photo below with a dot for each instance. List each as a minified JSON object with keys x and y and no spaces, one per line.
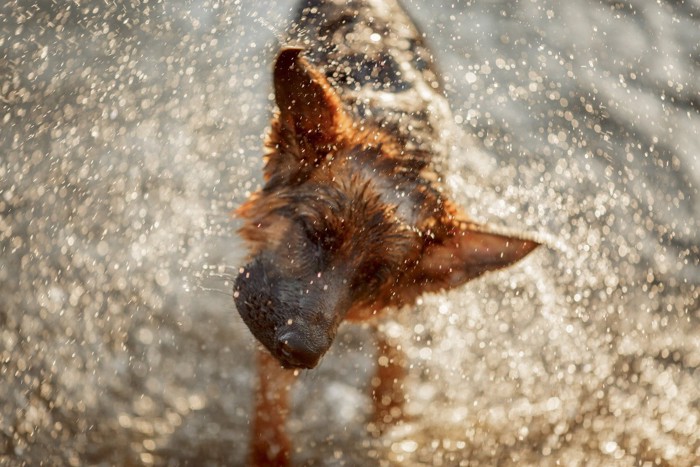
{"x":296,"y":352}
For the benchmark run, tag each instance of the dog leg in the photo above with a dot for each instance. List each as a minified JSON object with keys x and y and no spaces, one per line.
{"x":387,"y":384}
{"x":269,"y":442}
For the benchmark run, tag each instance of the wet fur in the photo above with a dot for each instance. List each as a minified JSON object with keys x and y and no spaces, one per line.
{"x":352,"y":218}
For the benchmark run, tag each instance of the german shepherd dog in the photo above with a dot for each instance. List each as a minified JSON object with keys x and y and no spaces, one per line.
{"x":352,"y":218}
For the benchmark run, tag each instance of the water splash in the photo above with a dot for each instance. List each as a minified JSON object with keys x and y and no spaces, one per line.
{"x":129,"y":132}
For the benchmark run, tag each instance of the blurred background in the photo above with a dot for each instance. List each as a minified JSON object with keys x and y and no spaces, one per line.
{"x":130,"y":130}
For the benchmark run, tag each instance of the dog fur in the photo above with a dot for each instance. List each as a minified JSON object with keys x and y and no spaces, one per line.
{"x":352,"y":218}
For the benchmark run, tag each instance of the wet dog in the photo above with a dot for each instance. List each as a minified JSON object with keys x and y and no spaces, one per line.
{"x":352,"y":218}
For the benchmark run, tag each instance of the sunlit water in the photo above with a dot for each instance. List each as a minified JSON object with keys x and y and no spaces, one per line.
{"x":128,"y":134}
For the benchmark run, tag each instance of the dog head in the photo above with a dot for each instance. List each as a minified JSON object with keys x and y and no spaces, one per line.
{"x":346,"y":223}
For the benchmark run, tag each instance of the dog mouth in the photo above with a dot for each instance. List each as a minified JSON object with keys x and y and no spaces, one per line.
{"x":296,"y":328}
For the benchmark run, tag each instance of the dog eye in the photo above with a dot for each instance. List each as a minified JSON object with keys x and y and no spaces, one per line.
{"x":322,"y":237}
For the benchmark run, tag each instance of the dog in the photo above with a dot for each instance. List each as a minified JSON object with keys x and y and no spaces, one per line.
{"x":353,"y":218}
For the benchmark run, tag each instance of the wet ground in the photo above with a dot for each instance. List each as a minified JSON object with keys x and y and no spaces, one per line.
{"x":130,"y":130}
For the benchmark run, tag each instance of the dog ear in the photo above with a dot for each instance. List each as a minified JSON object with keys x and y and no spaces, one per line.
{"x":311,"y":120}
{"x":464,"y":251}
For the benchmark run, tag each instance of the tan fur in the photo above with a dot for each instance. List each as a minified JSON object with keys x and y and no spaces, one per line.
{"x":348,"y":224}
